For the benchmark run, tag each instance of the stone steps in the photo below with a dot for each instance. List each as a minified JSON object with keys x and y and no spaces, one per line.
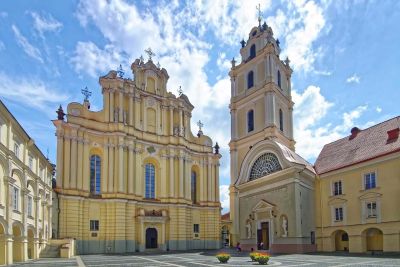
{"x":50,"y":251}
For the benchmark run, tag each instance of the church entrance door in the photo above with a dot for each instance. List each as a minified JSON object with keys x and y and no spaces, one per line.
{"x":263,"y":236}
{"x":151,"y":238}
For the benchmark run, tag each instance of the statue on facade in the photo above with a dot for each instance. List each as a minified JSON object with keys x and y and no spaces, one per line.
{"x":116,"y":114}
{"x":284,"y":227}
{"x":248,"y":228}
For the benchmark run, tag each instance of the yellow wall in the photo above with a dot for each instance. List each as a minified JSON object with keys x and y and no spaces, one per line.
{"x":384,"y":229}
{"x":136,"y":127}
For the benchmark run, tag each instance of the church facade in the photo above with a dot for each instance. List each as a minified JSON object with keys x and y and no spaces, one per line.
{"x":272,"y":188}
{"x":132,"y":176}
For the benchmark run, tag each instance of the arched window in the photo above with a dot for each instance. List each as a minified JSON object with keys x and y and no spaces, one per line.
{"x":250,"y":79}
{"x":95,"y":174}
{"x":150,"y":180}
{"x":279,"y":79}
{"x":194,"y":187}
{"x":280,"y":120}
{"x":252,"y":51}
{"x":264,"y":165}
{"x":250,"y":121}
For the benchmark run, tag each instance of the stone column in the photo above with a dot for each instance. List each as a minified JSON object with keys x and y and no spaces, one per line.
{"x":200,"y":181}
{"x":180,"y":121}
{"x":213,"y":174}
{"x":80,"y":163}
{"x":205,"y":180}
{"x":171,"y":176}
{"x":106,"y":105}
{"x":209,"y":180}
{"x":171,"y":121}
{"x":216,"y":182}
{"x":181,"y":182}
{"x":188,"y":179}
{"x":86,"y":164}
{"x":131,"y":113}
{"x":9,"y":249}
{"x":121,"y":106}
{"x":110,"y":188}
{"x":290,"y":123}
{"x":137,"y":113}
{"x":131,"y":163}
{"x":24,"y":242}
{"x":270,"y":109}
{"x":74,"y":158}
{"x":67,"y":166}
{"x":121,"y":182}
{"x":139,"y":176}
{"x":111,"y":105}
{"x":104,"y":168}
{"x":163,"y":176}
{"x":60,"y":157}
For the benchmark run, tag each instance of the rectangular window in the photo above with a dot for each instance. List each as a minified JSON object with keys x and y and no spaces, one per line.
{"x":371,"y":209}
{"x":369,"y":180}
{"x":338,"y":214}
{"x":29,"y":206}
{"x":30,"y":162}
{"x":94,"y":225}
{"x":337,"y":188}
{"x":196,"y":228}
{"x":15,"y":198}
{"x":16,"y":149}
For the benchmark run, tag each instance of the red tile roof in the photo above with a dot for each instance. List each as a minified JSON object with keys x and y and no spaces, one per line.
{"x":365,"y":145}
{"x":226,"y":216}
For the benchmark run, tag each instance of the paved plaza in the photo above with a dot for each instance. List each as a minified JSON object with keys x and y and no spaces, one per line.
{"x":200,"y":259}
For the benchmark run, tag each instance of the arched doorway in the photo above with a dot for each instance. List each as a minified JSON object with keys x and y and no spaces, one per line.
{"x":341,"y":241}
{"x":151,"y":238}
{"x":374,"y":239}
{"x":17,"y":244}
{"x":2,"y":245}
{"x":31,"y":244}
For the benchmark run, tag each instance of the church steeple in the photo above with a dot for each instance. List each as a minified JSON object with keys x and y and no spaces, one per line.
{"x":261,"y":102}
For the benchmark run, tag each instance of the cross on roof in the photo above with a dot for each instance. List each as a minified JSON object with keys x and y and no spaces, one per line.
{"x":86,"y":93}
{"x":149,"y":53}
{"x":200,"y":124}
{"x":259,"y":13}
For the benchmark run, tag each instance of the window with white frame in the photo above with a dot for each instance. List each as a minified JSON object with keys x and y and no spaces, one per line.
{"x":30,"y":205}
{"x":371,"y":209}
{"x":369,"y":180}
{"x":94,"y":225}
{"x":16,"y":149}
{"x":339,"y":214}
{"x":15,"y":198}
{"x":337,"y":188}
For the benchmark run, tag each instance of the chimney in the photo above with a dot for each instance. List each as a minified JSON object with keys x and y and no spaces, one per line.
{"x":354,"y":131}
{"x":393,"y":135}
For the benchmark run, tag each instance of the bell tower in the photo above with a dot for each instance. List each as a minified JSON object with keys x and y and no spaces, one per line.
{"x":261,"y":105}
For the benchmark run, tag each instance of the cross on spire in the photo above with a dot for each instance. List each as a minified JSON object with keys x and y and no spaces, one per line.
{"x":149,"y":53}
{"x":86,"y":93}
{"x":259,"y":14}
{"x":200,"y":124}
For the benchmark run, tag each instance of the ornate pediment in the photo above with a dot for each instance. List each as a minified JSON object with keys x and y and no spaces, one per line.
{"x":263,"y":205}
{"x":370,"y":195}
{"x":336,"y":201}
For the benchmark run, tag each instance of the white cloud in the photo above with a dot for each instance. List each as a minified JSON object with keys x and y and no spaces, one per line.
{"x":91,"y":59}
{"x":42,"y":24}
{"x":353,"y":79}
{"x":378,"y":109}
{"x":300,"y":26}
{"x":323,"y":72}
{"x":311,"y":134}
{"x":2,"y":46}
{"x":224,"y":197}
{"x":31,"y":92}
{"x":3,"y":14}
{"x":28,"y":48}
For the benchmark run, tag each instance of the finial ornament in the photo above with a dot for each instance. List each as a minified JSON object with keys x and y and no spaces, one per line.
{"x":243,"y":43}
{"x":216,"y":147}
{"x":287,"y":61}
{"x":233,"y":62}
{"x":86,"y":93}
{"x":259,"y":14}
{"x":120,"y":71}
{"x":180,"y":91}
{"x":149,"y":53}
{"x":141,"y":59}
{"x":60,"y":114}
{"x":200,"y":124}
{"x":158,"y":65}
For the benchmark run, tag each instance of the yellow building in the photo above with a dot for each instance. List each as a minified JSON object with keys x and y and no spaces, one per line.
{"x":25,"y":193}
{"x":272,"y":188}
{"x":359,"y":191}
{"x":132,"y":176}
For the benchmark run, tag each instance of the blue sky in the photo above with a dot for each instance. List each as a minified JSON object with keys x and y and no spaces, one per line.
{"x":345,"y":56}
